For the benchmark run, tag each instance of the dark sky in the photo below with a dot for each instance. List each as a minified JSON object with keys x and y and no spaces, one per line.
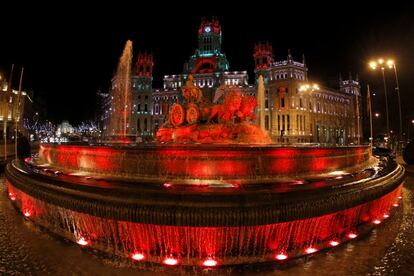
{"x":71,"y":52}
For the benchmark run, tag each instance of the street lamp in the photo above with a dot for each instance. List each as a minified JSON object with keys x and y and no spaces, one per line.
{"x":380,"y":63}
{"x":392,"y":65}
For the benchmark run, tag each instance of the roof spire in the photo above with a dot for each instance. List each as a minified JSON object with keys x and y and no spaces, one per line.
{"x":289,"y":56}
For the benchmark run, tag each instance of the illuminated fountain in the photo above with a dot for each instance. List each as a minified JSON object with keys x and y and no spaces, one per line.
{"x":121,"y":104}
{"x":212,"y":192}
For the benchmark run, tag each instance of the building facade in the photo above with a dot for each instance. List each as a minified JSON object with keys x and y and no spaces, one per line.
{"x":299,"y":111}
{"x":13,"y":109}
{"x":296,"y":110}
{"x":209,"y":68}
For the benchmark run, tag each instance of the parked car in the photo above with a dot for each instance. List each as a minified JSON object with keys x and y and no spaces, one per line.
{"x":408,"y":154}
{"x":383,"y":152}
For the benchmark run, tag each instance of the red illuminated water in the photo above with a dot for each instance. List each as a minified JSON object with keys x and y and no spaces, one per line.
{"x":388,"y":250}
{"x":187,"y":245}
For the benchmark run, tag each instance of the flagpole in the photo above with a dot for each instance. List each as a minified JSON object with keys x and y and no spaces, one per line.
{"x":6,"y":111}
{"x":357,"y":115}
{"x":17,"y":116}
{"x":371,"y":138}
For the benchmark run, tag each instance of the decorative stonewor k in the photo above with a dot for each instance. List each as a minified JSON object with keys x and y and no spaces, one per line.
{"x":201,"y":122}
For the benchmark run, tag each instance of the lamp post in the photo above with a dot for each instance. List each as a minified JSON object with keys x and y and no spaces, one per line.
{"x":392,"y":65}
{"x":374,"y":65}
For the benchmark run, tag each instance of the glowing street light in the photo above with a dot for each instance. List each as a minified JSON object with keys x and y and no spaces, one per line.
{"x":373,"y":65}
{"x":377,"y":115}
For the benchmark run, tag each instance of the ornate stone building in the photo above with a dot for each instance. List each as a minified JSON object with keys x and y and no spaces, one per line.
{"x":298,"y":110}
{"x":13,"y":108}
{"x":209,"y":68}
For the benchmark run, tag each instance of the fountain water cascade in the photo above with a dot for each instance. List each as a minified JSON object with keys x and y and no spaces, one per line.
{"x":203,"y":205}
{"x":121,"y":104}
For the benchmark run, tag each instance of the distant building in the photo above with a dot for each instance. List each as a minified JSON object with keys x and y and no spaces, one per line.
{"x":64,"y":128}
{"x":298,"y":110}
{"x":13,"y":108}
{"x":209,"y":68}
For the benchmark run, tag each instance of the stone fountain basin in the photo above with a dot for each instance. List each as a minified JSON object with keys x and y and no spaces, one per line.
{"x":203,"y":164}
{"x":119,"y":200}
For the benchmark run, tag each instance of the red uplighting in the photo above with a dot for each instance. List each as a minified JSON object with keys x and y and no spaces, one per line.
{"x":395,"y":205}
{"x":310,"y":250}
{"x":235,"y":185}
{"x":333,"y":243}
{"x":210,"y":262}
{"x":170,"y":261}
{"x":281,"y":257}
{"x":12,"y":197}
{"x":82,"y":242}
{"x":386,"y":216}
{"x":27,"y":214}
{"x":352,"y":235}
{"x":138,"y":256}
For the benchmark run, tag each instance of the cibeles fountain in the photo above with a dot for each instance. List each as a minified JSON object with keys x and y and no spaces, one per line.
{"x":211,"y":191}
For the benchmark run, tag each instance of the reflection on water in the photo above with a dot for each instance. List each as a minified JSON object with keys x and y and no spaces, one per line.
{"x":389,"y":249}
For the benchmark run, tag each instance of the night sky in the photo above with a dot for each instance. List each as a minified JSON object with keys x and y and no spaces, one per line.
{"x":72,"y":52}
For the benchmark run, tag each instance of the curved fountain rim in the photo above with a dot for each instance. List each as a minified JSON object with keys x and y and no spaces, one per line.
{"x":203,"y":146}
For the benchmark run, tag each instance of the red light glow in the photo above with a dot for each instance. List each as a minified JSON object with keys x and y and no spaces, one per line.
{"x":395,"y":205}
{"x":170,"y":261}
{"x":333,"y":243}
{"x":377,"y":221}
{"x":310,"y":250}
{"x":27,"y":214}
{"x":281,"y":257}
{"x":167,"y":185}
{"x":386,"y":216}
{"x":352,"y":235}
{"x":400,"y":197}
{"x":82,"y":242}
{"x":138,"y":256}
{"x":12,"y":196}
{"x":210,"y":262}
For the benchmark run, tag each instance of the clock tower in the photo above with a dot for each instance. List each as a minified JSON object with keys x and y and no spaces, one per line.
{"x":209,"y":37}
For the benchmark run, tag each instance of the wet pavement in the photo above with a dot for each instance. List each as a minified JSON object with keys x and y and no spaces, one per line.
{"x":388,"y":250}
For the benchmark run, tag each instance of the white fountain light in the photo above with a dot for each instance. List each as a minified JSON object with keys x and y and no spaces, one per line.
{"x":138,"y":256}
{"x":82,"y":241}
{"x":210,"y":262}
{"x":281,"y":257}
